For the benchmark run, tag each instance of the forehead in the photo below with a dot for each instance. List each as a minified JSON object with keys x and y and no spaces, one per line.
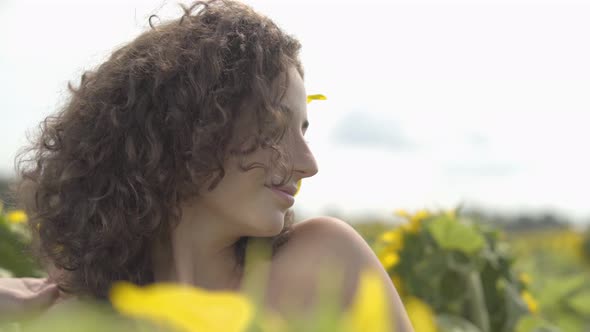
{"x":289,"y":95}
{"x":294,"y":97}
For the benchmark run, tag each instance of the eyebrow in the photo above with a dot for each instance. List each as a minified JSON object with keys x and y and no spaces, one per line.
{"x":288,"y":109}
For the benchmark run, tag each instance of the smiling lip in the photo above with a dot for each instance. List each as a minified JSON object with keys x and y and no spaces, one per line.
{"x":283,"y":195}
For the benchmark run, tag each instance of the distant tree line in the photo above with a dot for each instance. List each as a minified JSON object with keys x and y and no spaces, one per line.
{"x":4,"y":193}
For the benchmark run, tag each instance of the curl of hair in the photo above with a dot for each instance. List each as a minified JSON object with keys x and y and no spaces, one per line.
{"x":146,"y":130}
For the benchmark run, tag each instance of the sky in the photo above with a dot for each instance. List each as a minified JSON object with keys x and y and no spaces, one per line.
{"x":430,"y":103}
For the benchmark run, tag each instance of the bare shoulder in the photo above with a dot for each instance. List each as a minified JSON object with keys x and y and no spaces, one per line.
{"x":326,"y":245}
{"x":323,"y":238}
{"x":328,"y":239}
{"x":324,"y":224}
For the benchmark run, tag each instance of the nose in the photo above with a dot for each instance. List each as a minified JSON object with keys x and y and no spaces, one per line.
{"x":304,"y":163}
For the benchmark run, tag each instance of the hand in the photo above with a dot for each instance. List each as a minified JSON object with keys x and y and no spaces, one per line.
{"x":19,"y":296}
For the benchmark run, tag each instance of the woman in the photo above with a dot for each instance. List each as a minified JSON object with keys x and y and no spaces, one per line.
{"x":171,"y":155}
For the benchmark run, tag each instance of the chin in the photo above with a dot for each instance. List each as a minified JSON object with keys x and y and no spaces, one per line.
{"x":274,"y":225}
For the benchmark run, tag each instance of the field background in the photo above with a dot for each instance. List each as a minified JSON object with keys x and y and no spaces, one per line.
{"x":544,"y":260}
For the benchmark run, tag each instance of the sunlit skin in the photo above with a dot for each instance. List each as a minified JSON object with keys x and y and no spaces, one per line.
{"x":201,"y":253}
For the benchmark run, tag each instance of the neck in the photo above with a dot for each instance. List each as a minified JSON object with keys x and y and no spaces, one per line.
{"x":197,"y":256}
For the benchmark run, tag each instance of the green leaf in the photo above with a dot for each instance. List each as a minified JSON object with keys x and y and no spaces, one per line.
{"x":78,"y":317}
{"x":558,"y":288}
{"x":12,"y":253}
{"x":452,"y":323}
{"x":450,"y":234}
{"x":581,"y":303}
{"x":531,"y":323}
{"x":570,"y":322}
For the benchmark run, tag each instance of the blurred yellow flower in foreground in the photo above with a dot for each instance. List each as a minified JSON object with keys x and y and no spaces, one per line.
{"x":530,"y":301}
{"x":192,"y":309}
{"x":369,"y":311}
{"x":16,"y":217}
{"x":315,"y":97}
{"x":184,"y":307}
{"x":421,"y":315}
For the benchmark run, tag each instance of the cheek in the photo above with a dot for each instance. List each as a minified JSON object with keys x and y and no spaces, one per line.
{"x":244,"y":188}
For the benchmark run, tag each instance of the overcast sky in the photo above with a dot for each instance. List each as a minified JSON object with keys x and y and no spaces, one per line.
{"x":429,"y":102}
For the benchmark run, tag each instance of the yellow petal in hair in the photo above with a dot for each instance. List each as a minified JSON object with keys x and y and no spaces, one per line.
{"x":315,"y":97}
{"x":183,"y":307}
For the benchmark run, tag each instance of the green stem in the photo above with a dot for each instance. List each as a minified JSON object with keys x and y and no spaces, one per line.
{"x":477,"y":306}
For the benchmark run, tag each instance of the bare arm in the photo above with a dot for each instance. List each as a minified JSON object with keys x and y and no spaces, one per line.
{"x":21,"y":295}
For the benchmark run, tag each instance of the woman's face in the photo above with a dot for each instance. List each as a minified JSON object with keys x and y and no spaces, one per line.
{"x":243,"y":200}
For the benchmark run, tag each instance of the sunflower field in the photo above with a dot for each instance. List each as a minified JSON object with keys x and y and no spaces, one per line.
{"x":452,"y":272}
{"x":457,"y":274}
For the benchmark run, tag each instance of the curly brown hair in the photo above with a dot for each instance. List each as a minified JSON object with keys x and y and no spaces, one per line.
{"x":146,"y":130}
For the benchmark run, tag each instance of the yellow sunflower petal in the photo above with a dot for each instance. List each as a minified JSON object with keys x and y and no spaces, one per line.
{"x":184,"y":307}
{"x":298,"y":187}
{"x":315,"y":97}
{"x":398,"y":243}
{"x":16,"y":217}
{"x":389,"y":259}
{"x":392,"y":237}
{"x":530,"y":301}
{"x":525,"y":278}
{"x":413,"y":226}
{"x":421,"y":315}
{"x":370,"y":309}
{"x":402,"y":213}
{"x":421,"y":215}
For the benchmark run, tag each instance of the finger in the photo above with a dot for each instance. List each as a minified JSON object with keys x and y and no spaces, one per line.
{"x":35,"y":284}
{"x":43,"y":299}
